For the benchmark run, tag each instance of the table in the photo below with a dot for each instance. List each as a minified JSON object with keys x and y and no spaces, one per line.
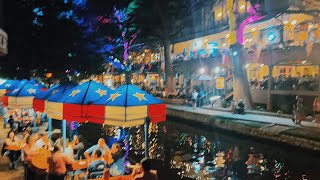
{"x":40,"y":160}
{"x":13,"y":148}
{"x":81,"y":164}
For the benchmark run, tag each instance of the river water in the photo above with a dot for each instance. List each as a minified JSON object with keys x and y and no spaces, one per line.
{"x":190,"y":151}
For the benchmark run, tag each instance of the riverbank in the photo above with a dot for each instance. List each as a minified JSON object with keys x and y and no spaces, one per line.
{"x":278,"y":129}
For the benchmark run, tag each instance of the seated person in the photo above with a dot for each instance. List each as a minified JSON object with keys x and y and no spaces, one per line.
{"x":240,"y":107}
{"x":148,"y":173}
{"x":102,"y":146}
{"x":97,"y":167}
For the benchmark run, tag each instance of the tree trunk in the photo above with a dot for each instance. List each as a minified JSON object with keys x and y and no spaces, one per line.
{"x":241,"y":89}
{"x":168,"y":65}
{"x":270,"y":84}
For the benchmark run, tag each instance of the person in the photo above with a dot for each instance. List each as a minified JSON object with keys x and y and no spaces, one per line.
{"x":194,"y":98}
{"x":78,"y":147}
{"x":28,"y":153}
{"x":5,"y":118}
{"x":12,"y":140}
{"x":102,"y":146}
{"x":57,"y":164}
{"x":43,"y":142}
{"x":240,"y":107}
{"x":148,"y":173}
{"x":299,"y":111}
{"x":316,"y":110}
{"x":294,"y":108}
{"x":97,"y":167}
{"x":11,"y":122}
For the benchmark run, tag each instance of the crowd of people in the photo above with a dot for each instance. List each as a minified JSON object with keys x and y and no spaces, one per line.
{"x":305,"y":82}
{"x":299,"y":111}
{"x":43,"y":158}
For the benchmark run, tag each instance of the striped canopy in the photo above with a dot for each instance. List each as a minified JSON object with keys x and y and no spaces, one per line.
{"x":21,"y":97}
{"x":52,"y":105}
{"x":8,"y":85}
{"x":39,"y":99}
{"x":129,"y":106}
{"x":76,"y":104}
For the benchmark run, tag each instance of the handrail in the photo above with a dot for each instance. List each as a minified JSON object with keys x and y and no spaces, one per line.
{"x":206,"y":94}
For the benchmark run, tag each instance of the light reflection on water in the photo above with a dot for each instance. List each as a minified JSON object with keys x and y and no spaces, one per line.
{"x":192,"y":152}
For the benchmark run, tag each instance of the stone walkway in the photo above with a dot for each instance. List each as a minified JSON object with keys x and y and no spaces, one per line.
{"x":5,"y":173}
{"x":246,"y":117}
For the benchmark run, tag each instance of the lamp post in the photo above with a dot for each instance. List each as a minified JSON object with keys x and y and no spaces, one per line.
{"x":269,"y":96}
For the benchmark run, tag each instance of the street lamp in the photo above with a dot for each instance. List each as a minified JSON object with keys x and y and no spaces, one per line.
{"x":202,"y":70}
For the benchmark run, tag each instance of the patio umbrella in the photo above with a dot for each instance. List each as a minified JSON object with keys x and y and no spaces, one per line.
{"x":22,"y":97}
{"x":205,"y":78}
{"x":73,"y":105}
{"x":8,"y":85}
{"x":39,"y":99}
{"x":53,"y":107}
{"x":129,"y":106}
{"x":77,"y":105}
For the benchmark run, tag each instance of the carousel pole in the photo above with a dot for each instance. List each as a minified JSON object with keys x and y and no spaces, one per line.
{"x":49,"y":127}
{"x":64,"y":134}
{"x":146,"y":136}
{"x":34,"y":121}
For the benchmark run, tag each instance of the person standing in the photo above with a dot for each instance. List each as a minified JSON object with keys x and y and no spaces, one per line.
{"x":299,"y":111}
{"x":294,"y":108}
{"x":57,"y":164}
{"x":194,"y":98}
{"x":11,"y":122}
{"x":316,"y":110}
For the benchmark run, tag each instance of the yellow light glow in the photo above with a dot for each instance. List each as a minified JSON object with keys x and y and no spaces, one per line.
{"x":228,"y":35}
{"x":253,"y":29}
{"x":219,"y":14}
{"x":242,"y":6}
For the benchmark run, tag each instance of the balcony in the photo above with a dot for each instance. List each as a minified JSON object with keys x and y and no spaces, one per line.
{"x":3,"y":42}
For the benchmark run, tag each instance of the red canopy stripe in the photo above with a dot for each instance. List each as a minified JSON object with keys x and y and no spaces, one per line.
{"x":38,"y":105}
{"x":83,"y":113}
{"x":4,"y":100}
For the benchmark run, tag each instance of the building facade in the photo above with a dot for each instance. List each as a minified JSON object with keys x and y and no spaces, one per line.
{"x":282,"y":42}
{"x":3,"y":34}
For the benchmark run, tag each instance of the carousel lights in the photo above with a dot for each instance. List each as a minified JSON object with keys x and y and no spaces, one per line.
{"x":217,"y":70}
{"x":235,"y":53}
{"x":202,"y":70}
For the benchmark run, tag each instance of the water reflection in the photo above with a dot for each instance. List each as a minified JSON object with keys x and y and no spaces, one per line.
{"x":190,"y":152}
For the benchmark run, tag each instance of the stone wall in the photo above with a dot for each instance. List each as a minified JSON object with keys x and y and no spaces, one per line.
{"x":243,"y":128}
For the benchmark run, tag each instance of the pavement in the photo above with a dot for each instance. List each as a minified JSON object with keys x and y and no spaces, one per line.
{"x":262,"y":118}
{"x":5,"y":173}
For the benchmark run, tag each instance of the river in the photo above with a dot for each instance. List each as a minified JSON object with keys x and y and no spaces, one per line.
{"x":190,"y":151}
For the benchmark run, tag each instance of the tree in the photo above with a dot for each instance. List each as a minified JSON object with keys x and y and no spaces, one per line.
{"x":160,"y":22}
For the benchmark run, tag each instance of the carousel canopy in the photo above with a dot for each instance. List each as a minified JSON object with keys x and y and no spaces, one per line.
{"x":76,"y":102}
{"x":53,"y":107}
{"x":38,"y":101}
{"x":21,"y":97}
{"x":129,"y":106}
